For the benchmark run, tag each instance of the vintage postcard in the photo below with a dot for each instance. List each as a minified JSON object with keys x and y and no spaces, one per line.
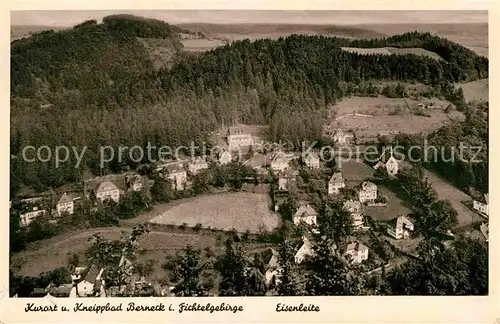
{"x":268,"y":163}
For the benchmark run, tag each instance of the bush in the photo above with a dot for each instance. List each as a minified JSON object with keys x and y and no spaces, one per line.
{"x":197,"y":227}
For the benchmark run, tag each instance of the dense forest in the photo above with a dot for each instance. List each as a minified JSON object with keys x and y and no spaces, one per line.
{"x":95,"y":85}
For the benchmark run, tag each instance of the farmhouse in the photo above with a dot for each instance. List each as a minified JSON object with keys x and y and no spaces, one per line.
{"x":388,"y":162}
{"x":177,"y":175}
{"x":354,"y":208}
{"x":305,"y":250}
{"x":107,"y":190}
{"x":336,"y":183}
{"x":196,"y":165}
{"x":305,"y":214}
{"x":65,"y":205}
{"x":357,"y":251}
{"x":400,"y":227}
{"x":367,"y":192}
{"x":279,"y":162}
{"x":28,"y":217}
{"x":225,"y":157}
{"x":481,"y":205}
{"x":340,"y":137}
{"x":237,"y":137}
{"x":311,"y":160}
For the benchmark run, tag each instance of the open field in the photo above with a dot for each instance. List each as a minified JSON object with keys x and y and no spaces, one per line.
{"x":447,"y":191}
{"x":241,"y":211}
{"x":53,"y":253}
{"x":476,"y":90}
{"x":377,"y":115}
{"x":395,"y":207}
{"x":354,"y":171}
{"x":201,"y":45}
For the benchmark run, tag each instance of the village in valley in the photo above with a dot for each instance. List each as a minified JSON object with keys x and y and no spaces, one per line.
{"x":304,"y":160}
{"x":376,"y":242}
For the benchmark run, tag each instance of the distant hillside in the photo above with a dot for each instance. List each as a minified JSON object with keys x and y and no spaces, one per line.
{"x":94,"y":59}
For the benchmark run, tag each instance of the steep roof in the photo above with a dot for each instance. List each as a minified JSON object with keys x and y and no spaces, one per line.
{"x":92,"y":274}
{"x":311,"y":156}
{"x":65,"y":198}
{"x":107,"y":186}
{"x":304,"y":211}
{"x":337,"y":178}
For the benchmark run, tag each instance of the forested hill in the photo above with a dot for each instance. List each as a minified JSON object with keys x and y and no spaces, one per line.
{"x":104,"y":90}
{"x":97,"y":59}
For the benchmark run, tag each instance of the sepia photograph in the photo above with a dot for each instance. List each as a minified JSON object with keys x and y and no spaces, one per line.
{"x":218,"y":153}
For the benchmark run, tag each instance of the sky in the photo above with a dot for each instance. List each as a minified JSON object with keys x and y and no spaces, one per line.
{"x":62,"y":18}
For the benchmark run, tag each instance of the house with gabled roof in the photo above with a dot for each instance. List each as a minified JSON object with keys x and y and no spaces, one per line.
{"x":354,"y":208}
{"x":271,"y":266}
{"x":336,"y":183}
{"x":305,"y":250}
{"x":91,"y":281}
{"x":65,"y":205}
{"x":107,"y":190}
{"x":389,"y":162}
{"x":481,"y":205}
{"x":400,"y":227}
{"x":279,"y":161}
{"x":357,"y":251}
{"x":305,"y":214}
{"x":367,"y":192}
{"x":311,"y":160}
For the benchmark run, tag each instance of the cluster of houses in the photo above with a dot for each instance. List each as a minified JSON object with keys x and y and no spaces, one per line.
{"x":89,"y":281}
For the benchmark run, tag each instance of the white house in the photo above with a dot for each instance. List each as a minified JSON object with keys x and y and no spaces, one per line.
{"x":107,"y":190}
{"x":305,"y":214}
{"x":225,"y":157}
{"x":177,"y":175}
{"x":388,"y":162}
{"x":367,"y":192}
{"x":336,"y":183}
{"x":279,"y":162}
{"x":311,"y":160}
{"x":354,"y":208}
{"x":197,"y":164}
{"x":481,"y":206}
{"x":86,"y":286}
{"x":305,"y":250}
{"x":357,"y":251}
{"x":28,"y":217}
{"x":237,"y":137}
{"x":400,"y":228}
{"x":65,"y":205}
{"x":340,"y":137}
